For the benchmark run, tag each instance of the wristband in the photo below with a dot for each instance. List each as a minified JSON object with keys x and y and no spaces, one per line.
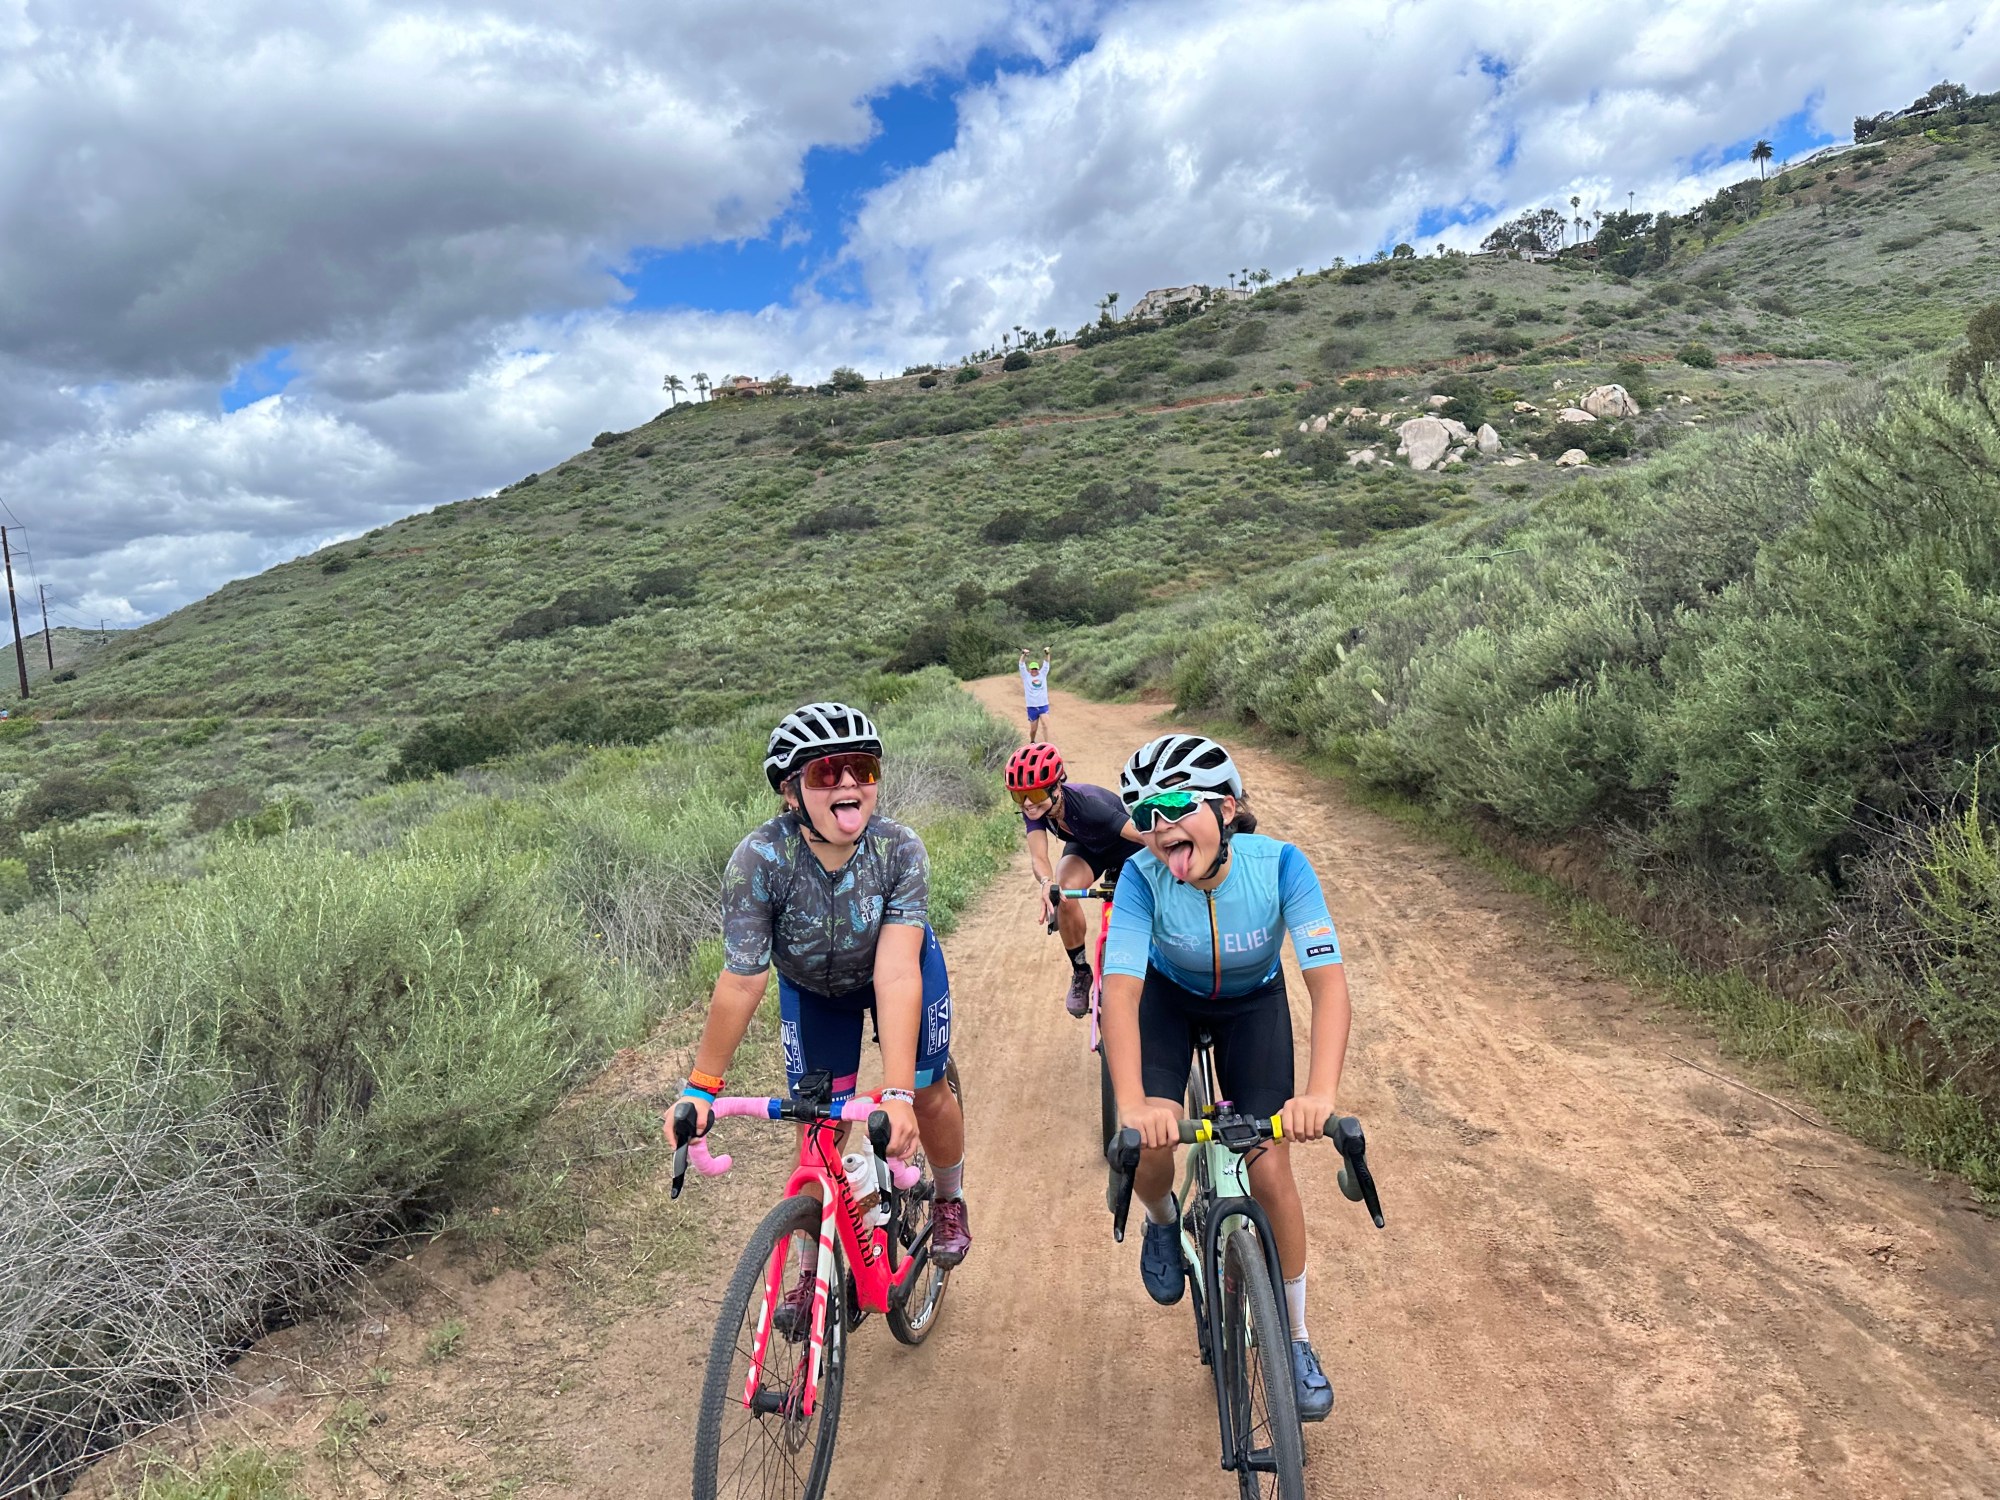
{"x":692,"y":1092}
{"x":710,"y":1081}
{"x":907,"y":1096}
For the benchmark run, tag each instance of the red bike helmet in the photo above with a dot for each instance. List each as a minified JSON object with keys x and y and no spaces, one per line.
{"x":1035,"y":766}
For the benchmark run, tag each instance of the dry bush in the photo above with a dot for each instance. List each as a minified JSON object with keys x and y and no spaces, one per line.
{"x":140,"y":1241}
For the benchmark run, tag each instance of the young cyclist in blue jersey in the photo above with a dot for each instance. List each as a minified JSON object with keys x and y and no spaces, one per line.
{"x":838,"y":898}
{"x":1196,"y":927}
{"x":1098,"y":837}
{"x":1035,"y":688}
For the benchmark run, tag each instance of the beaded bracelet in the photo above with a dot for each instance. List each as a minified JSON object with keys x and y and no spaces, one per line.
{"x":907,"y":1096}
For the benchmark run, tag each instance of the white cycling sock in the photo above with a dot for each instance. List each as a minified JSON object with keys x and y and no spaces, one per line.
{"x":1166,"y":1211}
{"x":950,"y":1180}
{"x":1295,"y":1304}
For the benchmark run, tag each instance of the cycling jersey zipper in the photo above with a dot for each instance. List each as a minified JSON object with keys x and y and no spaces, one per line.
{"x":1214,"y":946}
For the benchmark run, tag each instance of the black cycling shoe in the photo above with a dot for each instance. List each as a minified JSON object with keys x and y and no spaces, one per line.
{"x":1310,"y":1386}
{"x":1160,"y":1259}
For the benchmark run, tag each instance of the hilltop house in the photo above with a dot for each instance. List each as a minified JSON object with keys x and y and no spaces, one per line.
{"x":739,"y":385}
{"x":1191,"y":299}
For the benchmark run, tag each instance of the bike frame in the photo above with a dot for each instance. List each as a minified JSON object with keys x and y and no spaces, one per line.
{"x":1218,"y":1178}
{"x":872,"y":1254}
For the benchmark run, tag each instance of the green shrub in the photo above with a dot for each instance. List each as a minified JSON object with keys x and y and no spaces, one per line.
{"x":605,"y":439}
{"x":966,"y":375}
{"x":598,"y":605}
{"x":15,"y":889}
{"x":1016,"y":360}
{"x":675,"y":581}
{"x":216,"y":805}
{"x":65,"y":796}
{"x":1954,"y":885}
{"x":340,"y":562}
{"x":1005,"y":526}
{"x":846,"y":379}
{"x":437,"y":747}
{"x":1699,"y":356}
{"x":836,"y":520}
{"x":926,"y":382}
{"x":1247,"y":337}
{"x":201,"y":731}
{"x":1981,"y":351}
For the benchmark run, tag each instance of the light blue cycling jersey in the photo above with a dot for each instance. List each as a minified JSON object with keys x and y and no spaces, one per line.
{"x":1221,"y":943}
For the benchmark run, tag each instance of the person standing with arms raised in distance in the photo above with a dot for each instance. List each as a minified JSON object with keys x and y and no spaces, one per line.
{"x":1035,"y":686}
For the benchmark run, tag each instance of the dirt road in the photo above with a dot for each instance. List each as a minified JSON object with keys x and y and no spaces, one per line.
{"x":1604,"y":1273}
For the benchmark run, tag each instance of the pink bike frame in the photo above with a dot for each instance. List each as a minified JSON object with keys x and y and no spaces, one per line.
{"x":867,"y":1251}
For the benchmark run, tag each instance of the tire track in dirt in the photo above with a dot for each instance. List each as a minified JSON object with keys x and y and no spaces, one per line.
{"x":1604,"y":1273}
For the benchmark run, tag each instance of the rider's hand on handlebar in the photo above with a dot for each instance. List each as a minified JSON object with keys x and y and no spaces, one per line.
{"x":1305,"y":1116}
{"x":903,"y":1141}
{"x":1158,"y":1124}
{"x":1049,"y":899}
{"x":703,"y":1115}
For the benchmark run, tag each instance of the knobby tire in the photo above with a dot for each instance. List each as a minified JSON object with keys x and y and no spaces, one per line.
{"x":736,"y":1453}
{"x":1256,"y":1375}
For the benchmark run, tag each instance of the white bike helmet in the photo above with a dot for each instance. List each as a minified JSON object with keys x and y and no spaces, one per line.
{"x":814,"y":730}
{"x":1178,"y":763}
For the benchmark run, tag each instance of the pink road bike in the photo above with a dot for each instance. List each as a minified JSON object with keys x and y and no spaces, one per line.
{"x":813,"y":1270}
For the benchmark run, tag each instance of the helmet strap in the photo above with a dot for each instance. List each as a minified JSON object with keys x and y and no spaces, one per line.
{"x":796,"y":781}
{"x":1222,"y":844}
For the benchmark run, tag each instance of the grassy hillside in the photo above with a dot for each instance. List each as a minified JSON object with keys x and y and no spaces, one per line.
{"x":1750,"y":655}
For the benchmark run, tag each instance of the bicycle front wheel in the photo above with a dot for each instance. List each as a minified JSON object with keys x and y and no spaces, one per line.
{"x":753,"y":1434}
{"x":1256,"y":1376}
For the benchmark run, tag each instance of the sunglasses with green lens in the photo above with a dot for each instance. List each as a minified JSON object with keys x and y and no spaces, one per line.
{"x":1167,"y":807}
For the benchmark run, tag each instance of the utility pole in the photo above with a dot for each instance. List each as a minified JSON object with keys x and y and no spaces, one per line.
{"x":48,"y":640}
{"x":14,"y":608}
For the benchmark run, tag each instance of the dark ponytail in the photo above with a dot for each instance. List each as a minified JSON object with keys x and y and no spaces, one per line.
{"x":1245,"y":820}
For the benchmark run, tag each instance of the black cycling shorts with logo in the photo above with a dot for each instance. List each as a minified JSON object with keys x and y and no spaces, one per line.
{"x":1253,"y":1042}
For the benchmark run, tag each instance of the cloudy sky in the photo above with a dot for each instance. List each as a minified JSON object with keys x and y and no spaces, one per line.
{"x":272,"y":275}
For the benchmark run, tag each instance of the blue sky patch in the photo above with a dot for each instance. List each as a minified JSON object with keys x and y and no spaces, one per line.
{"x":916,"y":123}
{"x":266,"y":375}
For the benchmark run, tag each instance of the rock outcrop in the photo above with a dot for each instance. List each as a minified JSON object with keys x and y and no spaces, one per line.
{"x":1610,"y":403}
{"x":1425,"y":440}
{"x":1488,"y":439}
{"x":1575,"y":458}
{"x":1574,"y":414}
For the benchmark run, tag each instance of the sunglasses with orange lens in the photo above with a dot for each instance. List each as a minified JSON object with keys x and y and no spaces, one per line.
{"x":1022,"y":797}
{"x":825,"y":773}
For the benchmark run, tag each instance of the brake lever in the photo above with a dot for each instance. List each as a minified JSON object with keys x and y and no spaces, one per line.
{"x":685,"y":1118}
{"x":1121,"y":1153}
{"x":1357,"y":1183}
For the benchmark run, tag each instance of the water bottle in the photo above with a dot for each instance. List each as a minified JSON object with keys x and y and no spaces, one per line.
{"x":867,"y":1192}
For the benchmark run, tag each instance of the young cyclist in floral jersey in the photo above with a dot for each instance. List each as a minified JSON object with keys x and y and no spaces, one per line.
{"x":837,"y":897}
{"x":1196,"y":928}
{"x":1098,"y":837}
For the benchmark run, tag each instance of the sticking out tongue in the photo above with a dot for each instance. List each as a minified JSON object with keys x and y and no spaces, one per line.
{"x":1180,"y":861}
{"x":848,"y":818}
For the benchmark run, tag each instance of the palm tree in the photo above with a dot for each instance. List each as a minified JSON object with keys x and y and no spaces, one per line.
{"x":1263,"y":276}
{"x":673,"y":386}
{"x":701,"y":383}
{"x":1760,"y":153}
